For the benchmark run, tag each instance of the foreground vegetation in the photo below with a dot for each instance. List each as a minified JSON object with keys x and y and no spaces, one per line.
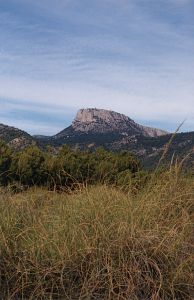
{"x":99,"y":242}
{"x":67,"y":168}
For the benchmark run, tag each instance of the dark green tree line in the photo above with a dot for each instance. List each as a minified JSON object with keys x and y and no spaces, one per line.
{"x":34,"y":166}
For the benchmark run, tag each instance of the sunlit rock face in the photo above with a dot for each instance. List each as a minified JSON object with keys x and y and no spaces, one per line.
{"x":104,"y":121}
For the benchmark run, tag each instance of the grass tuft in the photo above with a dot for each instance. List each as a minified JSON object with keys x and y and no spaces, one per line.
{"x":99,"y":243}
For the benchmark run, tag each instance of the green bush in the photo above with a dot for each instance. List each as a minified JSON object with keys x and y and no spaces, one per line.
{"x":66,"y":169}
{"x":5,"y":163}
{"x":27,"y":166}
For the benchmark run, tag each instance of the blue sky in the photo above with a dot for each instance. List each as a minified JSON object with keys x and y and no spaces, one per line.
{"x":132,"y":56}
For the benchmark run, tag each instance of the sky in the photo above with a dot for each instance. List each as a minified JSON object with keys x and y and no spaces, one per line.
{"x":132,"y":56}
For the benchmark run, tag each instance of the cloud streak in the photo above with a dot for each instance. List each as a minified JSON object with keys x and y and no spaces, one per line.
{"x":133,"y":57}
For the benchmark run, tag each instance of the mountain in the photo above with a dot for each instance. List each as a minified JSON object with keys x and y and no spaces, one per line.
{"x":98,"y":127}
{"x":93,"y":128}
{"x":101,"y":121}
{"x":14,"y":137}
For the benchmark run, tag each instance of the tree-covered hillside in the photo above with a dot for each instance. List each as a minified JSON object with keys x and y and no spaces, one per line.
{"x":16,"y":138}
{"x":148,"y":149}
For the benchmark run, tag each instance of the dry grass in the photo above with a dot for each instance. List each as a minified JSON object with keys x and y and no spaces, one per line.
{"x":100,"y":243}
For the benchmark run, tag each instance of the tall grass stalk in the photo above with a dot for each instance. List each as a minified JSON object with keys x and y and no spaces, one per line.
{"x":100,"y":243}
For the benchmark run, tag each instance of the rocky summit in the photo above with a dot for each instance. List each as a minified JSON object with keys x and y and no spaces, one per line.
{"x":93,"y":120}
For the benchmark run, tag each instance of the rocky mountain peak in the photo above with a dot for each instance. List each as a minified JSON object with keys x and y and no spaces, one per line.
{"x":89,"y":115}
{"x":100,"y":120}
{"x":104,"y":121}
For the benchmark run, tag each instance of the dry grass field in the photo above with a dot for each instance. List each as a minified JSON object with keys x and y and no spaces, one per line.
{"x":99,"y":243}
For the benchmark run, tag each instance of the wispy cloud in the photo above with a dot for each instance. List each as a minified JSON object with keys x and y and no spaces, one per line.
{"x":135,"y":57}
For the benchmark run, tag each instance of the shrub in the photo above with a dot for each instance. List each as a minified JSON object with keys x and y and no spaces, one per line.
{"x":5,"y":162}
{"x":67,"y":168}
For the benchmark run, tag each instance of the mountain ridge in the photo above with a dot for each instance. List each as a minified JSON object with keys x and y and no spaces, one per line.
{"x":93,"y":128}
{"x":15,"y":138}
{"x":93,"y":120}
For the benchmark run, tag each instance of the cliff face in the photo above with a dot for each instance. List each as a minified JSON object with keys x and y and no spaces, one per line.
{"x":94,"y":120}
{"x":100,"y":121}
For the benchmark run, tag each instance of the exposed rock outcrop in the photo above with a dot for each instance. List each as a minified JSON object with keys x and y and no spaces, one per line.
{"x":94,"y":120}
